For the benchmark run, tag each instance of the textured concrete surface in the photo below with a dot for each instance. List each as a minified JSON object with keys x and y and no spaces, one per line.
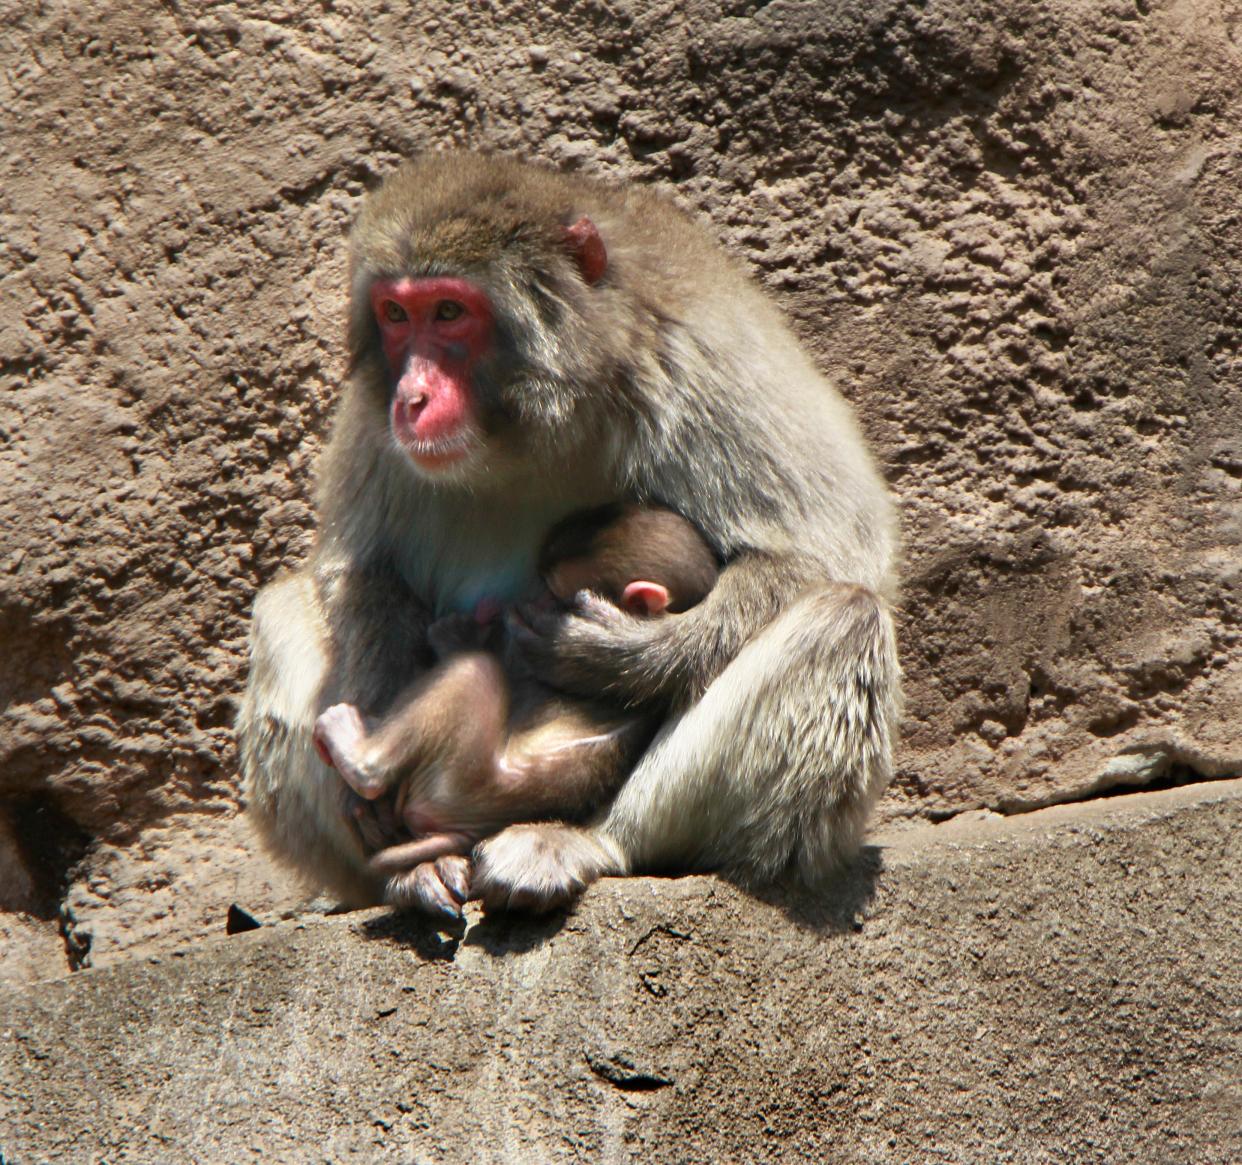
{"x":1064,"y":987}
{"x":1009,"y":228}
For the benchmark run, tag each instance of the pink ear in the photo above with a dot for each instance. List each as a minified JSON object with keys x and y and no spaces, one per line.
{"x":588,"y":249}
{"x":644,"y":598}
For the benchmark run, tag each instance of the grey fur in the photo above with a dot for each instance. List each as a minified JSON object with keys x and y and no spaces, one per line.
{"x":672,"y":380}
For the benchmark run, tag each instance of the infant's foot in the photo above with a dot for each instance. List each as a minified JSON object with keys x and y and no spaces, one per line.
{"x":339,"y":736}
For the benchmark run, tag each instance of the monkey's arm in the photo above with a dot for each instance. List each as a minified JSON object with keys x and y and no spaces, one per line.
{"x":774,"y":768}
{"x":319,"y":637}
{"x":597,"y":649}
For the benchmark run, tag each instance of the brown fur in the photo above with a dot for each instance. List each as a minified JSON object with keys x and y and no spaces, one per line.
{"x":623,"y":542}
{"x":474,"y":750}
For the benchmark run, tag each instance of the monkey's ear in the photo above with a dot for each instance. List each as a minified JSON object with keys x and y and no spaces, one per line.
{"x":588,"y":249}
{"x":644,"y":598}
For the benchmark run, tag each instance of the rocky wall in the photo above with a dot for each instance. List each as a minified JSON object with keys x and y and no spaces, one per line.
{"x":1009,"y":230}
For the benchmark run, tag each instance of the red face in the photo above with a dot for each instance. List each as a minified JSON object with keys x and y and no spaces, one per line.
{"x":434,"y":332}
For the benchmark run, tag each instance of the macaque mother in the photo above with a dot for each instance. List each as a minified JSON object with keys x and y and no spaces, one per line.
{"x":524,"y":344}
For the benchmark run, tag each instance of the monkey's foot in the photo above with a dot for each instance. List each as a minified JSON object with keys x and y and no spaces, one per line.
{"x":540,"y":867}
{"x":339,"y":736}
{"x":438,"y":888}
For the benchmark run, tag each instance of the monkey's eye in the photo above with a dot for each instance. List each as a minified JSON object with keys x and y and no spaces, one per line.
{"x":449,"y":309}
{"x":394,"y":313}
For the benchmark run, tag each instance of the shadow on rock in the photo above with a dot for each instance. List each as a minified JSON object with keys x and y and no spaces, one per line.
{"x":511,"y":932}
{"x":835,"y":906}
{"x":501,"y":933}
{"x":429,"y":939}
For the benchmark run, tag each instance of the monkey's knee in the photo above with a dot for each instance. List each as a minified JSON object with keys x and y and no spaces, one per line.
{"x":288,"y":659}
{"x":790,"y":744}
{"x":849,"y":606}
{"x":860,"y":679}
{"x":845,"y":634}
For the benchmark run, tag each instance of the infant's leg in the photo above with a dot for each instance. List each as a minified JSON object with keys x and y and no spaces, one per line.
{"x":570,"y":763}
{"x":446,"y":726}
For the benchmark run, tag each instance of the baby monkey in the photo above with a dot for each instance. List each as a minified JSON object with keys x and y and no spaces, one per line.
{"x":477,"y":743}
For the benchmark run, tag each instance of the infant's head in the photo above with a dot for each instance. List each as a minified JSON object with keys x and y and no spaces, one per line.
{"x":645,"y":559}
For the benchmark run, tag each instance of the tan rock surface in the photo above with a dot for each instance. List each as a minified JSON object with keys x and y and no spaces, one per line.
{"x":1062,"y":987}
{"x":1010,"y":228}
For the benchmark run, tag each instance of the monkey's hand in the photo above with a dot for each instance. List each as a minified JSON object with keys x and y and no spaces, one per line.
{"x":377,"y":823}
{"x":430,"y":875}
{"x":587,"y":649}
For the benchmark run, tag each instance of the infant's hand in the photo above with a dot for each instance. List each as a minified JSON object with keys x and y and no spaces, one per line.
{"x":377,"y":823}
{"x":430,"y":874}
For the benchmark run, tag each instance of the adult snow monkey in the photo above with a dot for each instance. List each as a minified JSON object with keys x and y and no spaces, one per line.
{"x":525,"y":343}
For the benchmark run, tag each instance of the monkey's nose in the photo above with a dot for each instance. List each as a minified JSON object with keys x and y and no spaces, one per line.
{"x":413,"y":405}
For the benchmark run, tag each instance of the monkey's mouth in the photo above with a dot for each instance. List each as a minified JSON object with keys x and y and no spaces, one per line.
{"x":440,"y":454}
{"x":434,"y":443}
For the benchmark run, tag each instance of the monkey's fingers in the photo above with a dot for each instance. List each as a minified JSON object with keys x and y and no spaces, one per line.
{"x":533,"y":620}
{"x":586,"y":615}
{"x":579,"y":649}
{"x":375,"y":822}
{"x":454,"y":871}
{"x":539,"y":867}
{"x":398,"y":858}
{"x":596,"y":608}
{"x":532,"y":637}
